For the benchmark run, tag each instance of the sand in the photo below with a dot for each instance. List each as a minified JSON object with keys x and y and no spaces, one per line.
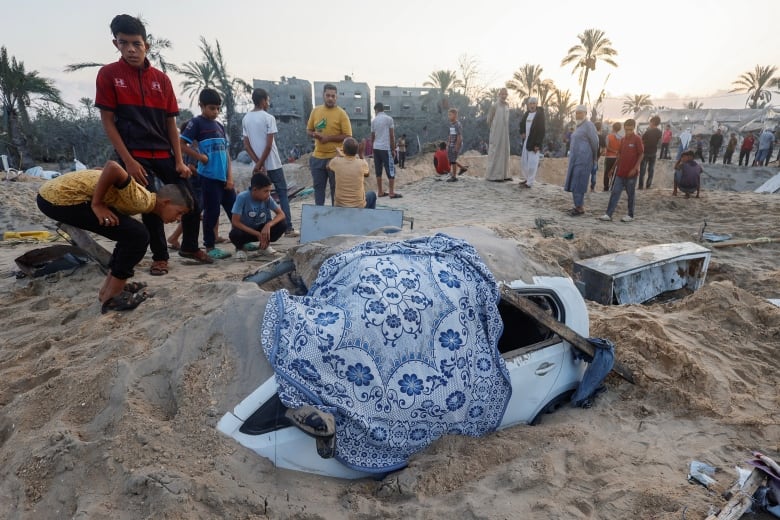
{"x":113,"y":416}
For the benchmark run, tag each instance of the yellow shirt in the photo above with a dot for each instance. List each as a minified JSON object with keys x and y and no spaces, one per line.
{"x":350,"y":189}
{"x":77,"y":188}
{"x":335,"y":121}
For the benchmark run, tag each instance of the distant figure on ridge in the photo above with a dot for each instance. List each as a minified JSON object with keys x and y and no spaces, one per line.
{"x":383,"y":137}
{"x":532,"y":130}
{"x":716,"y":141}
{"x":328,"y":125}
{"x":746,"y":148}
{"x":765,"y":141}
{"x":402,"y":152}
{"x":730,"y":148}
{"x":583,"y":152}
{"x":666,"y":139}
{"x":685,"y":142}
{"x":498,"y":144}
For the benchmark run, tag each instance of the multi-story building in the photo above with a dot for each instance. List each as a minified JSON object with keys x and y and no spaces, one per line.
{"x":291,"y":98}
{"x":403,"y":102}
{"x":354,"y":98}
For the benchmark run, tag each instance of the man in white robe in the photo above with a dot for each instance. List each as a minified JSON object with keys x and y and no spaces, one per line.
{"x":498,"y":148}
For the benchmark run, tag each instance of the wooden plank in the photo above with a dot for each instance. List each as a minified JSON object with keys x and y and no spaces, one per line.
{"x":742,"y":498}
{"x":81,"y":239}
{"x":577,"y":341}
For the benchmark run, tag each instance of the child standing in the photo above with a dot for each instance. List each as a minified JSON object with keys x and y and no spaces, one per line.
{"x":610,"y":156}
{"x":214,"y":171}
{"x":103,"y":202}
{"x":454,"y":142}
{"x":138,"y":110}
{"x":627,"y":169}
{"x":252,"y":220}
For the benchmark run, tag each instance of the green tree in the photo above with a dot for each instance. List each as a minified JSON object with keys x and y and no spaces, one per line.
{"x":563,"y":104}
{"x":155,"y":56}
{"x":594,"y":46}
{"x":694,"y":105}
{"x":18,"y":88}
{"x":756,"y":84}
{"x":526,"y":81}
{"x":633,"y":104}
{"x":546,"y":91}
{"x":197,"y":76}
{"x":444,"y":82}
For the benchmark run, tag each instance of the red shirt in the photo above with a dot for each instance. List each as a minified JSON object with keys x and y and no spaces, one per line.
{"x":442,"y":162}
{"x":631,"y":150}
{"x":747,"y":144}
{"x":142,"y":100}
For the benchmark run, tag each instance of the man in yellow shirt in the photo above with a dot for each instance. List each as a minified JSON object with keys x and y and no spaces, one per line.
{"x":328,"y":125}
{"x":350,"y":173}
{"x":103,"y":202}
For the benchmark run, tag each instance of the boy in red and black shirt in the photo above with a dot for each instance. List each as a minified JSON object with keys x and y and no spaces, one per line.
{"x":138,"y":110}
{"x":627,"y":169}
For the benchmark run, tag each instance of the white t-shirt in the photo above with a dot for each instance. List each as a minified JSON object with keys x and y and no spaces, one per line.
{"x":381,"y":126}
{"x":528,"y":122}
{"x":256,"y":126}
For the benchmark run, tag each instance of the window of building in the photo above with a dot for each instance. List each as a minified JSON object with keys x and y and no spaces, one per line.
{"x":406,"y":106}
{"x":358,"y":110}
{"x":387,"y":108}
{"x":358,"y":95}
{"x":292,"y":96}
{"x":385,"y":93}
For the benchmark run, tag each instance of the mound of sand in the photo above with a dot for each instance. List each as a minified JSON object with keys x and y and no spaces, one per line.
{"x":113,"y":416}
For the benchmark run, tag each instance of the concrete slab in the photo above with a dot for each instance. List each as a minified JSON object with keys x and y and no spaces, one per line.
{"x":318,"y":222}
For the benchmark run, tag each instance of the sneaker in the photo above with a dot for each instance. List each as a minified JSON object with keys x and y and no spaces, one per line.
{"x":452,"y":179}
{"x":291,"y":233}
{"x":627,"y":219}
{"x":241,"y":255}
{"x":268,"y":251}
{"x":605,"y":218}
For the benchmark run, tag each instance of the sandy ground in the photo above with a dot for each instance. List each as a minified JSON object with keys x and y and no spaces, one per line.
{"x":113,"y":416}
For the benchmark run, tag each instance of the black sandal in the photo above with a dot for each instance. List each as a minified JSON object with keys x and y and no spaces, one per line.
{"x":574,"y":213}
{"x":124,"y":301}
{"x":134,"y":287}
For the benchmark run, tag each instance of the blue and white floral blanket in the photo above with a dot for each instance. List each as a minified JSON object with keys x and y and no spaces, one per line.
{"x":399,"y":341}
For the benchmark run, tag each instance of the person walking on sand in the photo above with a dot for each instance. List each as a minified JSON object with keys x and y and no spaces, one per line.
{"x":582,"y":154}
{"x":383,"y":137}
{"x":104,"y":203}
{"x":650,"y":140}
{"x":498,"y":145}
{"x":259,"y":138}
{"x":454,"y":143}
{"x":629,"y":156}
{"x":328,"y":125}
{"x":138,"y":111}
{"x":532,"y":130}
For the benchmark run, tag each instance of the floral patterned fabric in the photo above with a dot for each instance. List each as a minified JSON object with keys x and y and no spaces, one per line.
{"x":399,"y":341}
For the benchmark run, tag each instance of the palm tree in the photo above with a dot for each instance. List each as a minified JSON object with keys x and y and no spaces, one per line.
{"x":197,"y":76}
{"x":227,"y":86}
{"x":526,"y":81}
{"x":756,"y":83}
{"x":633,"y":104}
{"x":156,"y":48}
{"x":563,"y":104}
{"x":593,"y":46}
{"x":546,"y":90}
{"x":694,"y":105}
{"x":444,"y":81}
{"x":17,"y":90}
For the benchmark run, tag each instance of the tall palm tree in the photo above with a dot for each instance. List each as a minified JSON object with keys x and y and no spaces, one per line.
{"x":445,"y":82}
{"x":757,"y":83}
{"x":197,"y":76}
{"x":526,"y":81}
{"x":694,"y":105}
{"x":593,"y":46}
{"x":563,"y":104}
{"x":17,"y":90}
{"x":633,"y":104}
{"x":229,"y":87}
{"x":155,"y":55}
{"x":546,"y":91}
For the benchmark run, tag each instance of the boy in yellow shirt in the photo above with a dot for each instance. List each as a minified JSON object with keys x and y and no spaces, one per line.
{"x":350,"y":173}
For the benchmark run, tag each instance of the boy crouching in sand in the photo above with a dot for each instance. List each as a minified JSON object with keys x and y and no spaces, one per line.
{"x":252,"y":221}
{"x":103,"y":202}
{"x":687,"y":175}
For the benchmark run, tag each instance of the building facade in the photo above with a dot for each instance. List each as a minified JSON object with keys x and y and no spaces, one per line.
{"x":403,"y":102}
{"x":291,"y":98}
{"x":354,"y":98}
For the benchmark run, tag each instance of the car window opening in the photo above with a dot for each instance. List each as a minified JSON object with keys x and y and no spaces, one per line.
{"x":521,"y":331}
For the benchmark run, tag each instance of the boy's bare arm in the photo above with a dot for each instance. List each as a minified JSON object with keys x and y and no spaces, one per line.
{"x":190,"y":152}
{"x":134,"y":168}
{"x":173,"y":138}
{"x":229,"y":184}
{"x":113,"y":175}
{"x":269,"y":142}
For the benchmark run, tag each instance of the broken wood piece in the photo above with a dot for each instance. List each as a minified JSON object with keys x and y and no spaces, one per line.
{"x":568,"y":334}
{"x":734,"y":243}
{"x":742,"y":498}
{"x":81,"y":239}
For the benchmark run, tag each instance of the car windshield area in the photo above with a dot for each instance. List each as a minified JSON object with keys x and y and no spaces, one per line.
{"x":521,"y":331}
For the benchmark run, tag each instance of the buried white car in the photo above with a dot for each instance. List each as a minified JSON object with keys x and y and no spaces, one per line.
{"x":541,"y":368}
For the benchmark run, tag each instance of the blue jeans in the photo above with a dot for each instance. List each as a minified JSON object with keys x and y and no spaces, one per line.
{"x":321,"y":176}
{"x":648,"y":163}
{"x":214,"y":196}
{"x":370,"y":200}
{"x":620,"y":184}
{"x":762,"y":156}
{"x":280,"y":185}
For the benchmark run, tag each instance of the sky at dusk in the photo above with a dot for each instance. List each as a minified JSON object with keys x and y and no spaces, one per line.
{"x":676,"y":51}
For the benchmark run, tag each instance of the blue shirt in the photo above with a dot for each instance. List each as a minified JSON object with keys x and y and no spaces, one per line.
{"x":254,"y":213}
{"x":212,"y":141}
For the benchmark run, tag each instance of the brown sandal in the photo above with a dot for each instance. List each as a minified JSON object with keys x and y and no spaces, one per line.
{"x":159,"y":268}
